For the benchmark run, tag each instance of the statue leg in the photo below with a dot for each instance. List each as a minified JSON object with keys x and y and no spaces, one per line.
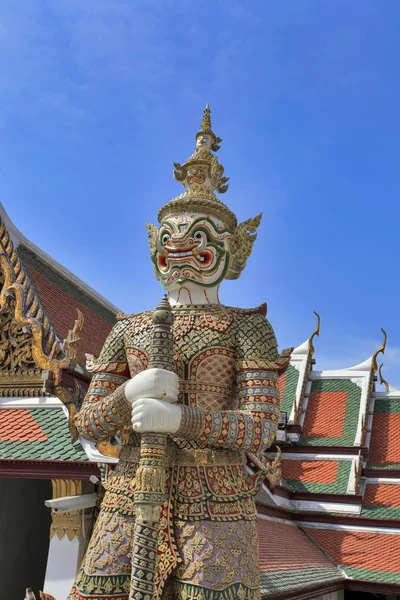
{"x":106,"y":567}
{"x":219,"y":560}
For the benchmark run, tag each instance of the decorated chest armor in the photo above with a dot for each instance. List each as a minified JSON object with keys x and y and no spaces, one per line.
{"x":206,"y":546}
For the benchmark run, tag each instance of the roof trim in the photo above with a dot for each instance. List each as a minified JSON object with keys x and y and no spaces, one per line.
{"x":38,"y":402}
{"x":47,"y":469}
{"x":357,"y":528}
{"x":325,"y":516}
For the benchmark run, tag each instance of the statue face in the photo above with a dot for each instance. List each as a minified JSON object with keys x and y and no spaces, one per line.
{"x":191,"y":248}
{"x":203,"y":142}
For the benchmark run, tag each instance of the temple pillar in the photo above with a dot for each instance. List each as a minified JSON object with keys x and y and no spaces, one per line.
{"x":72,"y":515}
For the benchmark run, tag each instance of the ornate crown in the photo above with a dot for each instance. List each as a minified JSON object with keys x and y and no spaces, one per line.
{"x":202,"y":176}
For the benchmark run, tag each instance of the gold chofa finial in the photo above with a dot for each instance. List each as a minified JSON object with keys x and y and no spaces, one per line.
{"x":383,"y":381}
{"x":374,"y":365}
{"x":206,"y":122}
{"x":311,"y":348}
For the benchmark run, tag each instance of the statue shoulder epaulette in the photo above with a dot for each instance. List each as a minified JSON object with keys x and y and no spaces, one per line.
{"x":260,"y":310}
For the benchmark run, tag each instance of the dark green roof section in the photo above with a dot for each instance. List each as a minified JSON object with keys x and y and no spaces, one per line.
{"x":372,"y":575}
{"x":281,"y":582}
{"x":337,"y":487}
{"x":58,"y":445}
{"x":386,"y":406}
{"x":289,"y":391}
{"x":373,"y":511}
{"x":31,"y":259}
{"x":263,"y":499}
{"x":351,"y":415}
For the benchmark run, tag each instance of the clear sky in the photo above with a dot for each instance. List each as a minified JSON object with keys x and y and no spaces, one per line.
{"x":98,"y":97}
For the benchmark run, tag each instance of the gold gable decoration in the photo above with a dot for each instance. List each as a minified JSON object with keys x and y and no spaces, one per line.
{"x":32,"y":357}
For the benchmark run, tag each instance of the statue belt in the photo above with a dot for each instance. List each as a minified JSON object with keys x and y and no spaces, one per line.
{"x":190,"y":457}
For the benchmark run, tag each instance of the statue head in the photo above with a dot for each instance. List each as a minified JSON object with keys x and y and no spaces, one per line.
{"x":204,"y":141}
{"x":198,"y":239}
{"x":199,"y":248}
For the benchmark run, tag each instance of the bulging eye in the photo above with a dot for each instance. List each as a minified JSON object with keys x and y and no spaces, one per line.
{"x":198,"y":236}
{"x":165,"y":238}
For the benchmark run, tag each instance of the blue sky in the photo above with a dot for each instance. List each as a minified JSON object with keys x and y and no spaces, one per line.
{"x":97,"y":98}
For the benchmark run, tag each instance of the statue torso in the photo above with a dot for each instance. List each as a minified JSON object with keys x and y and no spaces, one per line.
{"x":205,"y":352}
{"x":208,"y":342}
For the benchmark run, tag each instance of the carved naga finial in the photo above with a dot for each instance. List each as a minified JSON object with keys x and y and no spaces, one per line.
{"x":311,"y":348}
{"x":374,"y":365}
{"x":383,"y":381}
{"x":70,"y":344}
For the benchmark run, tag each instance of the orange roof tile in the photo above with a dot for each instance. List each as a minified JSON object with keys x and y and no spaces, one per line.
{"x":315,"y":471}
{"x":62,"y":310}
{"x":382,"y":494}
{"x":325,"y":416}
{"x":18,"y":425}
{"x":365,"y":550}
{"x":285,"y":547}
{"x":282,"y":383}
{"x":385,"y":440}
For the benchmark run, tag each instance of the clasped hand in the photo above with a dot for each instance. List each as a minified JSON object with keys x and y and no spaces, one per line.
{"x":153,"y":395}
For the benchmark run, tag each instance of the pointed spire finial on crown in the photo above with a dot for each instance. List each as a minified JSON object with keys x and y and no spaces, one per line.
{"x":202,"y":175}
{"x":206,"y":129}
{"x":206,"y":122}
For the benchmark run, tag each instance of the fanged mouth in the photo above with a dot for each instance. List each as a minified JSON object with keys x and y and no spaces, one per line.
{"x":204,"y":258}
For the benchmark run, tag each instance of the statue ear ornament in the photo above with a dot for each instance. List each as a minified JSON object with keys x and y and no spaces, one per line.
{"x":152,"y":232}
{"x":241,"y":245}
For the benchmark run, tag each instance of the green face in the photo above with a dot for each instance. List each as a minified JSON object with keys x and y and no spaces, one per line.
{"x":191,"y":248}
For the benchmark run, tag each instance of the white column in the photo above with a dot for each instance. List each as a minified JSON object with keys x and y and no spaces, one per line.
{"x":69,"y":534}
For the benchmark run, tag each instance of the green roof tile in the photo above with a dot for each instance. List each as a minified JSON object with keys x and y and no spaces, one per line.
{"x":58,"y":445}
{"x":386,"y":406}
{"x":380,"y":512}
{"x":289,"y":391}
{"x":337,"y":487}
{"x":279,"y":582}
{"x":372,"y":575}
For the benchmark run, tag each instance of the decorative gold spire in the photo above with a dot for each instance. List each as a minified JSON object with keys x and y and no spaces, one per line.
{"x":201,"y":175}
{"x":374,"y":365}
{"x":206,"y":122}
{"x":383,"y":381}
{"x":206,"y":129}
{"x":311,"y":348}
{"x":70,"y":344}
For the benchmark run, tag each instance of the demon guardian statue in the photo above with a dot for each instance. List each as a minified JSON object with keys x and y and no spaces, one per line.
{"x":218,"y":409}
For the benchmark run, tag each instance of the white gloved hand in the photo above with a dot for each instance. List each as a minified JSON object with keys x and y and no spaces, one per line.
{"x":157,"y":416}
{"x":153,"y":383}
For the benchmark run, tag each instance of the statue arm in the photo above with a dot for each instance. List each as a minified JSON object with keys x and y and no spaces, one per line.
{"x":105,"y":409}
{"x":258,"y":366}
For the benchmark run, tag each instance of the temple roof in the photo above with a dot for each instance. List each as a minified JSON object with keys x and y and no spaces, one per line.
{"x":362,"y":554}
{"x":384,"y":449}
{"x":37,"y":433}
{"x":43,"y":353}
{"x":290,"y":561}
{"x":59,"y":292}
{"x":340,"y":469}
{"x":317,"y":476}
{"x":381,"y":500}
